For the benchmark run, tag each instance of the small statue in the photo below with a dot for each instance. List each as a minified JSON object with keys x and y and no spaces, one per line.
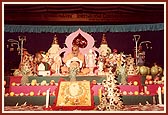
{"x":54,"y":48}
{"x":121,"y":68}
{"x":57,"y":64}
{"x":100,"y":65}
{"x":54,"y":55}
{"x":42,"y":67}
{"x":141,"y":56}
{"x":104,"y":49}
{"x":90,"y":60}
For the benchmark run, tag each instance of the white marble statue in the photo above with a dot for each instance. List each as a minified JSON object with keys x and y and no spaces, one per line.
{"x":90,"y":60}
{"x":101,"y":64}
{"x":57,"y":64}
{"x":54,"y":55}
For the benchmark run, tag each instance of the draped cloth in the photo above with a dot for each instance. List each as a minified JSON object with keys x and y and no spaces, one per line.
{"x":86,"y":28}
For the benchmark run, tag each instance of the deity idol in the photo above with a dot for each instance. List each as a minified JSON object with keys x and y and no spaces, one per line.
{"x":101,"y":65}
{"x":56,"y":65}
{"x":90,"y":59}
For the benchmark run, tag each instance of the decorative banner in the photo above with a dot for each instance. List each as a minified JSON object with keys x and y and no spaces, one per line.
{"x":86,"y":28}
{"x":74,"y":95}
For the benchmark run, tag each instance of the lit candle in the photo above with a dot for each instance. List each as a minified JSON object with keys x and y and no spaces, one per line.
{"x":159,"y":95}
{"x":145,"y":89}
{"x":47,"y":97}
{"x":17,"y":104}
{"x":4,"y":86}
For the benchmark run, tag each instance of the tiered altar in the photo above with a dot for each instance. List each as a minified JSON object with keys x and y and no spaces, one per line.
{"x":85,"y":78}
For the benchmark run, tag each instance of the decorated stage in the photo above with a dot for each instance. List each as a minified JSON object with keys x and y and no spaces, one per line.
{"x":82,"y":80}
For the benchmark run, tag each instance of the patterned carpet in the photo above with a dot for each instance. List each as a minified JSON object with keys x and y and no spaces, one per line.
{"x":126,"y":108}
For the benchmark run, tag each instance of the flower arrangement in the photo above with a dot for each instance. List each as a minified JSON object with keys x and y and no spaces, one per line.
{"x":73,"y":70}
